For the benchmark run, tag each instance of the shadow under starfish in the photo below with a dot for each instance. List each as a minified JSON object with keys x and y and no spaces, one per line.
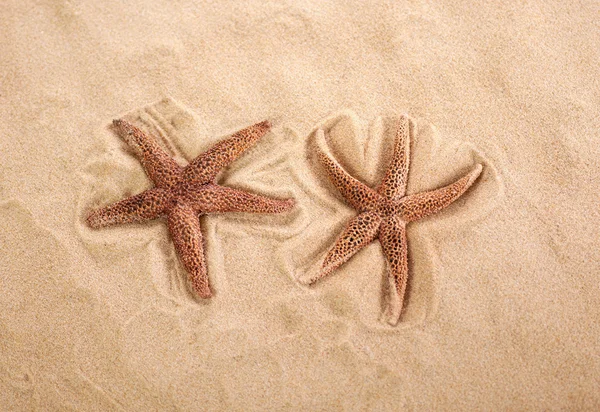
{"x":384,"y":214}
{"x":184,"y":193}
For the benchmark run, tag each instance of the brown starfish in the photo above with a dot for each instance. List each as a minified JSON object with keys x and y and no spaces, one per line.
{"x":384,"y":213}
{"x":184,"y":193}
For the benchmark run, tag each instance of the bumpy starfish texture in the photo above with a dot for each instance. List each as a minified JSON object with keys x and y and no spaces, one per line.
{"x":182,"y":194}
{"x":384,"y":213}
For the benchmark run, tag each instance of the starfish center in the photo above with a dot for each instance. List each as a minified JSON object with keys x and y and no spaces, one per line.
{"x":386,"y":208}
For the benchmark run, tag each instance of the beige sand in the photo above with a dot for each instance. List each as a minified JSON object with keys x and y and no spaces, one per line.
{"x":503,"y":305}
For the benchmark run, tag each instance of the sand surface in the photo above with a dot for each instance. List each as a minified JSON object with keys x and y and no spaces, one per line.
{"x":503,"y":305}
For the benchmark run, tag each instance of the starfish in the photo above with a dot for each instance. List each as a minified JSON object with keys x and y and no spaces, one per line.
{"x":384,"y":213}
{"x":182,"y":194}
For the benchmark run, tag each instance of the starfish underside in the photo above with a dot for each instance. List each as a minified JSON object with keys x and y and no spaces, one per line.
{"x":384,"y":213}
{"x":182,"y":194}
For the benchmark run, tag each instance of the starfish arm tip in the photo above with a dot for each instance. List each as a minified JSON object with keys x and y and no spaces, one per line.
{"x":122,"y":125}
{"x":288,"y":204}
{"x":475,"y":173}
{"x":204,"y":293}
{"x":391,"y":316}
{"x":305,"y":280}
{"x":393,"y":320}
{"x":90,"y":221}
{"x":262,"y":127}
{"x":309,"y":279}
{"x":94,"y":220}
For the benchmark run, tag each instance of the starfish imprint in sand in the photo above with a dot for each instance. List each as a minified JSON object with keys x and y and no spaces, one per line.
{"x":182,"y":194}
{"x":384,"y":213}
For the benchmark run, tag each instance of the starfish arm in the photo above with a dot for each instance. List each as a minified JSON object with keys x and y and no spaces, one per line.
{"x":359,"y":232}
{"x":159,"y":166}
{"x":221,"y":199}
{"x":204,"y":168}
{"x":184,"y":226}
{"x":420,"y":205}
{"x":147,"y":205}
{"x":392,"y":237}
{"x":357,"y":194}
{"x":393,"y":185}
